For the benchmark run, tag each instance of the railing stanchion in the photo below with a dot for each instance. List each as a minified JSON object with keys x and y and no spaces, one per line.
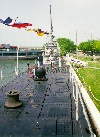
{"x":1,"y":76}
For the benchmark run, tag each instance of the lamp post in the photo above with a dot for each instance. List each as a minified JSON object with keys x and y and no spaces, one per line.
{"x":76,"y":46}
{"x":91,"y":33}
{"x":91,"y":42}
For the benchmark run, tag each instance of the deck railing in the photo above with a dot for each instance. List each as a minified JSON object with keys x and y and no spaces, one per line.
{"x":89,"y":107}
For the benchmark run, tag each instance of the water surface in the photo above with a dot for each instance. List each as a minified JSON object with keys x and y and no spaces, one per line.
{"x":8,"y":69}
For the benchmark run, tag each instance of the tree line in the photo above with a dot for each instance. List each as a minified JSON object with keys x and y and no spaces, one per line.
{"x":67,"y":45}
{"x":90,"y":45}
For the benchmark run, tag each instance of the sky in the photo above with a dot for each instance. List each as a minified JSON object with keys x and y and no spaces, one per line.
{"x":67,"y":17}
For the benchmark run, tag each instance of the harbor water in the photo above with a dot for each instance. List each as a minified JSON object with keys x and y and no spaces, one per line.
{"x":8,"y":68}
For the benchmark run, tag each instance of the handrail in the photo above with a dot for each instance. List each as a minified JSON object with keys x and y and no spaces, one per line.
{"x":92,"y":110}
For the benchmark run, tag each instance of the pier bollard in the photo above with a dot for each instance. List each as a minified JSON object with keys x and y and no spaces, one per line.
{"x":13,"y":99}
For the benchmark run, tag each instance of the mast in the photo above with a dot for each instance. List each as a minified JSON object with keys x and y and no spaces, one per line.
{"x":51,"y":37}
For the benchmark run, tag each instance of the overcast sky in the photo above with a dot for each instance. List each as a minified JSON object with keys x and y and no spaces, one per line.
{"x":67,"y":17}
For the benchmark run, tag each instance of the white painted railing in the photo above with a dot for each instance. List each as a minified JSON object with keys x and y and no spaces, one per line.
{"x":92,"y":110}
{"x":78,"y":62}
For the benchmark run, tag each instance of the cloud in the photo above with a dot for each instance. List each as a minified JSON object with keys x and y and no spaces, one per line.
{"x":82,"y":2}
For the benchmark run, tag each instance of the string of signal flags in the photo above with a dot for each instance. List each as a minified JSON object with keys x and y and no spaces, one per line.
{"x":19,"y":25}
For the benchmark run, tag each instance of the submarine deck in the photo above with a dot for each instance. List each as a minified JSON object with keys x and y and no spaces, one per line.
{"x":48,"y":110}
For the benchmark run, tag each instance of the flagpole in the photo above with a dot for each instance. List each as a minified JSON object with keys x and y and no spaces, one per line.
{"x":15,"y":19}
{"x":17,"y":61}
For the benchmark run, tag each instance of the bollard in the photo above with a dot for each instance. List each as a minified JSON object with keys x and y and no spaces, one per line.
{"x":13,"y":99}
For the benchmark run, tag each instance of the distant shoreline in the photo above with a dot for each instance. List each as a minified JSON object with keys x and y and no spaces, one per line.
{"x":19,"y":57}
